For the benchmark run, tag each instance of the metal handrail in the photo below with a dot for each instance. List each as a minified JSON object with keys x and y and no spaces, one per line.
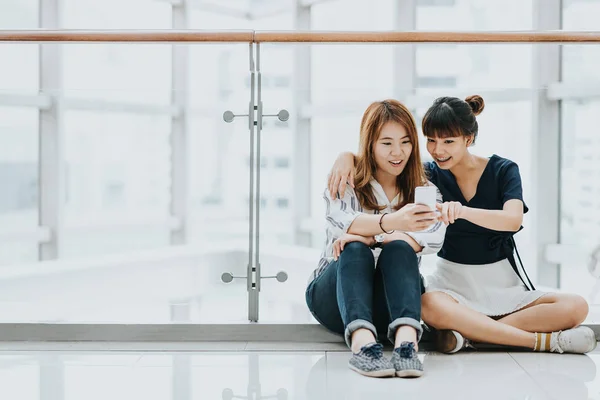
{"x":251,"y":36}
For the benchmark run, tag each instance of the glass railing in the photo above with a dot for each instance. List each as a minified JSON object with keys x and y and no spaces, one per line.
{"x":125,"y":152}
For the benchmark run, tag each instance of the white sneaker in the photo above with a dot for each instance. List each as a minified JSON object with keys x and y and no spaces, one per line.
{"x":578,"y":340}
{"x":449,"y":341}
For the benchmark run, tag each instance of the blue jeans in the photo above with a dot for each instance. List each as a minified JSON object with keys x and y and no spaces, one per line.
{"x":351,"y":293}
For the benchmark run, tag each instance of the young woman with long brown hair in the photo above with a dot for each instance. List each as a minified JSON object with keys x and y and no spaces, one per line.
{"x":368,"y":281}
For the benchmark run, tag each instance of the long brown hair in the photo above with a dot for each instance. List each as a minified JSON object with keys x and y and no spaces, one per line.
{"x":375,"y":117}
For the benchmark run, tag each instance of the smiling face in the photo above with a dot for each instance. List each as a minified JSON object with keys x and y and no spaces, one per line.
{"x":392,"y":149}
{"x":450,"y":127}
{"x":448,"y":151}
{"x":388,"y":152}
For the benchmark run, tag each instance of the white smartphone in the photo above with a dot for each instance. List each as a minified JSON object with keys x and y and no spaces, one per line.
{"x":426,"y":195}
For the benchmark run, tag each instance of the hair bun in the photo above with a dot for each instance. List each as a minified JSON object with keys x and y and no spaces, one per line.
{"x":476,"y":103}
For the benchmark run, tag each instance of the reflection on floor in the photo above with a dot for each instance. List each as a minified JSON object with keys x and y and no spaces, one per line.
{"x":186,"y":371}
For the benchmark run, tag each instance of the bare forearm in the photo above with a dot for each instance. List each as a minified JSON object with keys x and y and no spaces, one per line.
{"x":498,"y":220}
{"x":367,"y":225}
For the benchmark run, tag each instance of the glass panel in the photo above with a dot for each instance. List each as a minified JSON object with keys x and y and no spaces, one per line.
{"x":118,"y":199}
{"x":220,"y":199}
{"x":474,"y":15}
{"x":580,"y":224}
{"x":18,"y":134}
{"x":473,"y":66}
{"x":118,"y":171}
{"x":352,"y":15}
{"x":219,"y":175}
{"x":21,"y":76}
{"x":116,"y":14}
{"x":580,"y":163}
{"x":344,"y":87}
{"x":338,"y":98}
{"x":578,"y":61}
{"x":19,"y":180}
{"x":498,"y":68}
{"x":139,"y":73}
{"x":257,"y":7}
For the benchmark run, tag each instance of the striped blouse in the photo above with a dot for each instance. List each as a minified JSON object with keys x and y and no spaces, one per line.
{"x":340,"y":213}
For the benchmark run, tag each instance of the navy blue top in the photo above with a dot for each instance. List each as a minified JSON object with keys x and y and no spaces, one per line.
{"x":465,"y":242}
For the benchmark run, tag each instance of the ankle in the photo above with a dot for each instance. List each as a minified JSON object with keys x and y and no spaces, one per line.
{"x":543,"y":341}
{"x":405,"y":334}
{"x":360,"y":338}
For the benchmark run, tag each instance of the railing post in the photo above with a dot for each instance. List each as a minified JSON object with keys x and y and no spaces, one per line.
{"x":253,"y":292}
{"x":404,"y":55}
{"x":180,"y":162}
{"x":52,"y":165}
{"x":546,"y":148}
{"x":301,"y":157}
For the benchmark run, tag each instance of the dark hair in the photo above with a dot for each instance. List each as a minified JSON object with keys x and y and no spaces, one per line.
{"x":452,"y":117}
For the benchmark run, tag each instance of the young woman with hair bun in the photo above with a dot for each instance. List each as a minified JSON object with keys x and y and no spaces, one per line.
{"x":477,"y":292}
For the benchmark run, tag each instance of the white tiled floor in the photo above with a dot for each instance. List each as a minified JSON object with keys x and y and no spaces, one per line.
{"x":184,"y":371}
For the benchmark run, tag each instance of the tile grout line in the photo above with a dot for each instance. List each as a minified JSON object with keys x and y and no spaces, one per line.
{"x":138,"y":360}
{"x":530,"y":376}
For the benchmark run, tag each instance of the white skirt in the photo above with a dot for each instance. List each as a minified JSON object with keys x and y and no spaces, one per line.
{"x":491,"y":289}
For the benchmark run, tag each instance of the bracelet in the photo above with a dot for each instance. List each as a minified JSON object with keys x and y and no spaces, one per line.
{"x":381,"y":226}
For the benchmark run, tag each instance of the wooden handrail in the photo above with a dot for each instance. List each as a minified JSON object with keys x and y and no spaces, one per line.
{"x":249,"y":36}
{"x":174,"y":36}
{"x":428,"y":37}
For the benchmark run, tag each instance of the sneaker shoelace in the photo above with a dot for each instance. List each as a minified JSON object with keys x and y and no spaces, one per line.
{"x":555,"y":346}
{"x":407,"y":350}
{"x":374,"y":351}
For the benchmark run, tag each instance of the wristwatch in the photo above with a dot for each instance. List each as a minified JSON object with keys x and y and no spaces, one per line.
{"x":378,"y":241}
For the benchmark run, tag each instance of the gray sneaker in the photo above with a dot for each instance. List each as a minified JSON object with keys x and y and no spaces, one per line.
{"x":405,"y":361}
{"x":370,"y":361}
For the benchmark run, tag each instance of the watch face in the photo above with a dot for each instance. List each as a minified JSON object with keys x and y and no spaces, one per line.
{"x":379,"y":238}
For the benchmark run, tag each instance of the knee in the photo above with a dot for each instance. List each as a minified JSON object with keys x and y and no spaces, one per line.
{"x":576,"y":309}
{"x":432,"y":310}
{"x":356,"y":254}
{"x":398,"y":248}
{"x":398,"y":252}
{"x":357,"y":249}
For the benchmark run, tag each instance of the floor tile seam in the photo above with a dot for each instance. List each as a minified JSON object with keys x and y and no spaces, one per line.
{"x":535,"y":381}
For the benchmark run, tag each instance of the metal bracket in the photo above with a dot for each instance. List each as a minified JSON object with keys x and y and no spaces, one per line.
{"x":282,"y":115}
{"x":228,"y":277}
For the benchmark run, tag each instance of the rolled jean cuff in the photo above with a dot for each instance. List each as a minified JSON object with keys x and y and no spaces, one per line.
{"x":397,"y":323}
{"x":358,"y":324}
